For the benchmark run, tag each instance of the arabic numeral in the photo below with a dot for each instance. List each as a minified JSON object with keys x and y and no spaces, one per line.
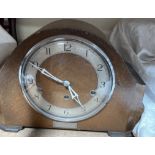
{"x":66,"y":112}
{"x":35,"y":63}
{"x":49,"y":108}
{"x":99,"y":67}
{"x":86,"y":53}
{"x":48,"y":51}
{"x":30,"y":80}
{"x":36,"y":96}
{"x":102,"y":84}
{"x":67,"y":47}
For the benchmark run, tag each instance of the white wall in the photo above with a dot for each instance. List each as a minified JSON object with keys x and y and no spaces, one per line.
{"x":27,"y":26}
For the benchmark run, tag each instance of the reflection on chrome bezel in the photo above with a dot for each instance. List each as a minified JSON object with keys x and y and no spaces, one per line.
{"x":88,"y":43}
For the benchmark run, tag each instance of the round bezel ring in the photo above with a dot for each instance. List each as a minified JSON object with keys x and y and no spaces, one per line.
{"x":66,"y":38}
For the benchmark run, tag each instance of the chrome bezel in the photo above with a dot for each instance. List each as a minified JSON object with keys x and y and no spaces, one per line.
{"x":66,"y":38}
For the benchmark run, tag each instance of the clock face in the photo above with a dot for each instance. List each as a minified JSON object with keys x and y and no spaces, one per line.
{"x":67,"y":78}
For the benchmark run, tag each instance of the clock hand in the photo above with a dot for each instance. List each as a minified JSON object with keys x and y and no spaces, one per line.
{"x":46,"y":73}
{"x":65,"y":83}
{"x":73,"y":94}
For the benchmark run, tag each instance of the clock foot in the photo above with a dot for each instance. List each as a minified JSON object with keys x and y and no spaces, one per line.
{"x":120,"y":134}
{"x":10,"y":128}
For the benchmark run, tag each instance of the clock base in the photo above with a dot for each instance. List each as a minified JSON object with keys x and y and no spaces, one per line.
{"x":120,"y":134}
{"x":11,"y":128}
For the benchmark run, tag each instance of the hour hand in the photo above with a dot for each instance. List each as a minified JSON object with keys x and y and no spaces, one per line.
{"x":73,"y":94}
{"x":46,"y":73}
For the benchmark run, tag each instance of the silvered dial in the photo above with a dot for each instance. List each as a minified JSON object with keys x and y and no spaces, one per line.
{"x":77,"y":47}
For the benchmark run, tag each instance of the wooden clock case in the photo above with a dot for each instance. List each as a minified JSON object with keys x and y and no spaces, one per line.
{"x":120,"y":114}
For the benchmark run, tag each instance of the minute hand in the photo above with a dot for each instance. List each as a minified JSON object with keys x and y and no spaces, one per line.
{"x":47,"y":74}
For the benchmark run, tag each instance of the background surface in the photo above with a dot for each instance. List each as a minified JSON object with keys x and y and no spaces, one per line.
{"x":27,"y":26}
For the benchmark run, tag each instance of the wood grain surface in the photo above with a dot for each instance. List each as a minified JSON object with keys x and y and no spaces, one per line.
{"x":122,"y":111}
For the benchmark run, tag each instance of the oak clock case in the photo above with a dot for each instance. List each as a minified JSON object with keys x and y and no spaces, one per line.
{"x":66,"y":76}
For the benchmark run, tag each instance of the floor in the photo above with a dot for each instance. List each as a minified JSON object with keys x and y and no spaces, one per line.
{"x":31,"y":132}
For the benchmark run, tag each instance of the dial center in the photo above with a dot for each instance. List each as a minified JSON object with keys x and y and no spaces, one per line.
{"x":66,"y":83}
